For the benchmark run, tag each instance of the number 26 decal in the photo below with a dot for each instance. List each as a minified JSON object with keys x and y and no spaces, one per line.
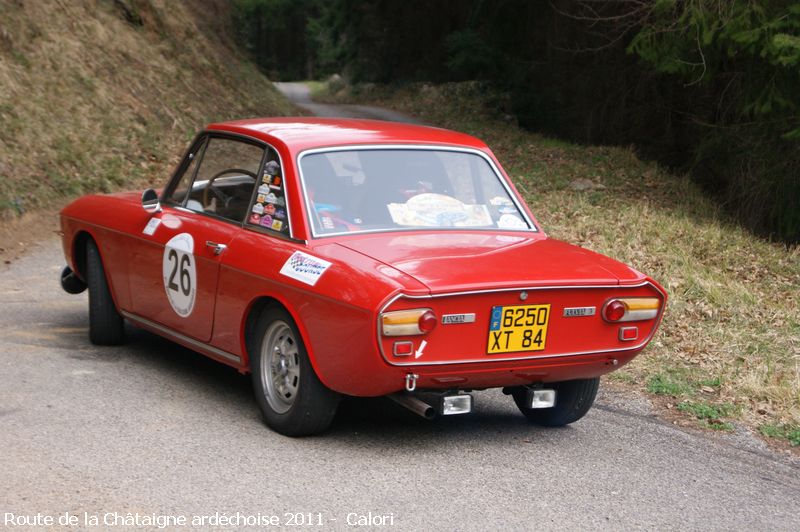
{"x":180,"y":274}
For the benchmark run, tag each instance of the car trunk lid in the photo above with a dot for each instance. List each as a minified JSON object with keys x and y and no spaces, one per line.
{"x":463,"y":261}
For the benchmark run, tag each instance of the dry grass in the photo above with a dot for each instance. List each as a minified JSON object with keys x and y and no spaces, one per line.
{"x":92,"y":102}
{"x":730,"y":340}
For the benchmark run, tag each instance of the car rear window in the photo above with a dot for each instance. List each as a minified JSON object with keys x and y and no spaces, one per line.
{"x":370,"y":190}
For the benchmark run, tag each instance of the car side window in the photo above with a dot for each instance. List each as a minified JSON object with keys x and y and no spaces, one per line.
{"x":269,"y":209}
{"x":225,"y":177}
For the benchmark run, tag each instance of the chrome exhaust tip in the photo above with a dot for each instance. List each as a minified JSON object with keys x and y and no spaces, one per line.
{"x":419,"y":407}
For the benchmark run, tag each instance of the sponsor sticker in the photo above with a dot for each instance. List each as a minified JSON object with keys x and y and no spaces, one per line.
{"x":305,"y":268}
{"x":269,"y":208}
{"x":272,"y":168}
{"x":266,"y":221}
{"x":258,"y":208}
{"x":277,"y":225}
{"x":151,"y":226}
{"x":280,"y":213}
{"x":255,"y":218}
{"x":263,"y":189}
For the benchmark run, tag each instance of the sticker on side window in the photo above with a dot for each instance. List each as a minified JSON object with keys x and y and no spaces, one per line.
{"x":180,"y":274}
{"x":305,"y":268}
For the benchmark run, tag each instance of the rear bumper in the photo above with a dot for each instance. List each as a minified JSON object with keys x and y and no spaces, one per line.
{"x":500,"y":374}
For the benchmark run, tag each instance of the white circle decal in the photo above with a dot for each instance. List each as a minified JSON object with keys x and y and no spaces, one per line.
{"x":180,"y":275}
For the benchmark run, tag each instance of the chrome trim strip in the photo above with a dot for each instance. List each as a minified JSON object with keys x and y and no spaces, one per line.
{"x":528,"y":358}
{"x":181,"y":337}
{"x":520,"y":289}
{"x":431,"y":147}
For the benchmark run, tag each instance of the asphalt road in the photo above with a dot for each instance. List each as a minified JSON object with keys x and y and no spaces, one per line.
{"x":155,"y":429}
{"x":300,"y":95}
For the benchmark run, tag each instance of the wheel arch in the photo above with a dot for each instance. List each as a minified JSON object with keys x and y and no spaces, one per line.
{"x":79,"y":243}
{"x":256,"y":308}
{"x":79,"y":247}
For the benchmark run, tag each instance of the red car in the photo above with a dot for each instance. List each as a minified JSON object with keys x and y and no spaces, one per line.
{"x":355,"y":257}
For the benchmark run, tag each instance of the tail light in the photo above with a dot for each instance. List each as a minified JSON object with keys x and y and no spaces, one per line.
{"x":631,"y":309}
{"x":408,"y":322}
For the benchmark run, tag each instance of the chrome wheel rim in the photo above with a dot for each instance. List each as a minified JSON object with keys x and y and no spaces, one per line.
{"x":280,"y":366}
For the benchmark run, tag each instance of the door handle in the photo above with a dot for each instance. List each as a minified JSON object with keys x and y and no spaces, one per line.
{"x":217,"y":248}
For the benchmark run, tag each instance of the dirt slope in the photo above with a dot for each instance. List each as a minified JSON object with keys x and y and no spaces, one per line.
{"x":104,"y":94}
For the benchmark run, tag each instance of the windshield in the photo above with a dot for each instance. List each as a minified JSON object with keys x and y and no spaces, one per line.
{"x":353,"y":190}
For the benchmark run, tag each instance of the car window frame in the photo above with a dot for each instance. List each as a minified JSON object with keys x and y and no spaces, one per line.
{"x":201,"y":140}
{"x":533,"y":227}
{"x":197,"y":149}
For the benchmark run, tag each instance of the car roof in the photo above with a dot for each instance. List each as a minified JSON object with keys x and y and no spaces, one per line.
{"x":302,"y":133}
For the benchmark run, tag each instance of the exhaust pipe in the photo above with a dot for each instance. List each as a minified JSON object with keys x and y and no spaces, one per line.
{"x":419,"y":407}
{"x":70,"y":282}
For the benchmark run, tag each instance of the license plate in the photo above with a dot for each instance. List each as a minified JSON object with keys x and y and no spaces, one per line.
{"x":518,"y":328}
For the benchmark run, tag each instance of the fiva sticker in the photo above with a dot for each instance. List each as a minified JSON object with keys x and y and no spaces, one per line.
{"x":305,"y":268}
{"x":151,"y":226}
{"x":180,"y":274}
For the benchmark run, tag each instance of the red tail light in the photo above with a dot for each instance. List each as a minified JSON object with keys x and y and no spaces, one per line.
{"x":427,"y":322}
{"x":614,"y":310}
{"x":631,"y":309}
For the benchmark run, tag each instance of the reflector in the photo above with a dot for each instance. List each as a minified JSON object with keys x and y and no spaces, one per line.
{"x":541,"y":398}
{"x":456,"y":404}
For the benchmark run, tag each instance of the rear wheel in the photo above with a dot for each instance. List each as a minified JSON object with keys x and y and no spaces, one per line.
{"x":106,"y":326}
{"x":292,"y":399}
{"x":573,"y":401}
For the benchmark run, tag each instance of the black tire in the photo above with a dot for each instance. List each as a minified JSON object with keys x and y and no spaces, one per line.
{"x":106,"y":326}
{"x":573,"y":401}
{"x":291,"y":397}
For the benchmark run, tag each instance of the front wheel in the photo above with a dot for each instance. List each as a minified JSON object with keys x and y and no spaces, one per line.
{"x":291,"y":397}
{"x":573,"y":401}
{"x":106,"y":326}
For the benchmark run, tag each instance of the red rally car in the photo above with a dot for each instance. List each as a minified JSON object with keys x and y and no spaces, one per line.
{"x":331,"y":257}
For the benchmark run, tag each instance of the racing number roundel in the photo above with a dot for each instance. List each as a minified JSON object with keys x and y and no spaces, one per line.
{"x":180,"y":274}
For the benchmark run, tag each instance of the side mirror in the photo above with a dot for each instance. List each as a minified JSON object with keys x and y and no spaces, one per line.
{"x":150,"y":201}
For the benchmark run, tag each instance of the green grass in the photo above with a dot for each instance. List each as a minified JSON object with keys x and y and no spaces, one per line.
{"x":671,"y":383}
{"x":318,"y":89}
{"x":711,"y":415}
{"x":783,"y":431}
